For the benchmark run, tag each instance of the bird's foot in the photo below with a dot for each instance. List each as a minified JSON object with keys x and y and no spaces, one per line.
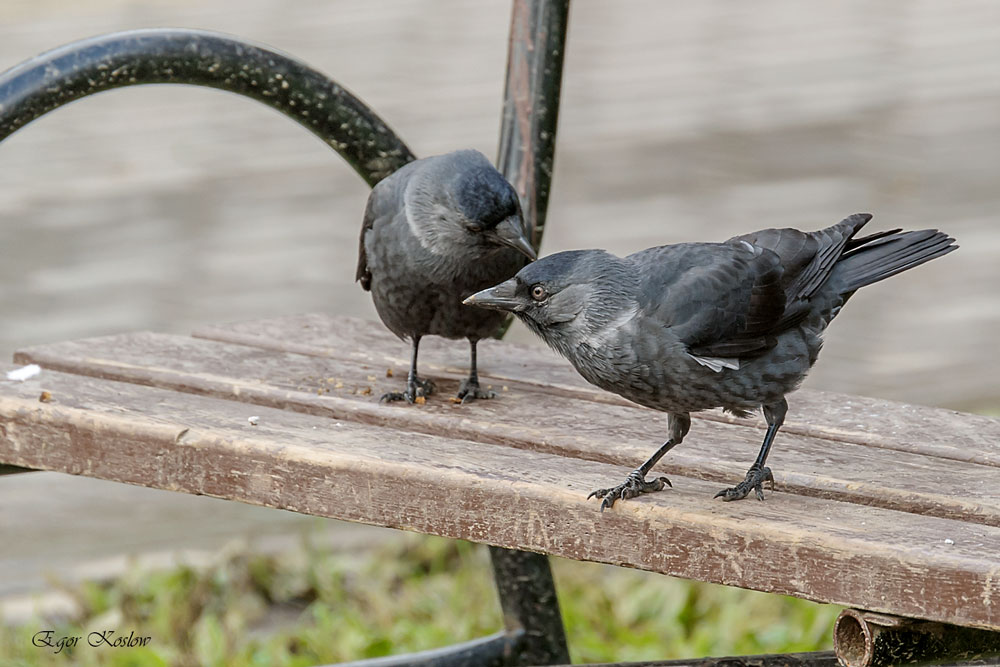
{"x":415,"y":389}
{"x":470,"y":390}
{"x":633,"y":486}
{"x":754,"y":481}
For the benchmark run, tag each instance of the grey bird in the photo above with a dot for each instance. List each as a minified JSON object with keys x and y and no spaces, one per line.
{"x":434,"y":232}
{"x":693,"y":326}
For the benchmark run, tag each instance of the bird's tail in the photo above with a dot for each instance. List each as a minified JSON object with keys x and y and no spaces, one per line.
{"x":873,"y":258}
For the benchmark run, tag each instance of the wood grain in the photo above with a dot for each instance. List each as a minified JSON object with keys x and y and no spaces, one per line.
{"x":528,"y":417}
{"x":839,"y":417}
{"x":878,"y":559}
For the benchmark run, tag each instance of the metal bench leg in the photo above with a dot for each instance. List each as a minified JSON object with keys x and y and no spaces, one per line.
{"x":530,"y":608}
{"x":533,"y":630}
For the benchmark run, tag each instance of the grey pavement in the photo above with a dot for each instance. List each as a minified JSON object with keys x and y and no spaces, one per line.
{"x":166,"y":208}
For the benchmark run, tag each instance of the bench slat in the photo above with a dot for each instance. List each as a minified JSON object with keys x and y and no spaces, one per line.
{"x":820,"y":549}
{"x":529,"y":418}
{"x":868,"y":421}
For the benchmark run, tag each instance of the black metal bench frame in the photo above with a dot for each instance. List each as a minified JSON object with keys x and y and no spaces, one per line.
{"x":533,"y":633}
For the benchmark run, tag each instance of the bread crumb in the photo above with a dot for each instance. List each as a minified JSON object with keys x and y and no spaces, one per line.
{"x":420,"y":400}
{"x":45,"y":397}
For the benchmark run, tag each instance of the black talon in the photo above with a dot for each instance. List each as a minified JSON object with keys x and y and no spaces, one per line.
{"x":415,"y":387}
{"x":425,"y":387}
{"x":758,"y":473}
{"x":470,"y":390}
{"x":635,"y":484}
{"x":754,"y":481}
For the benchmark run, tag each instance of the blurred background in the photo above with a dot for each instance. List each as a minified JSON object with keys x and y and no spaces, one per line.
{"x":166,"y":208}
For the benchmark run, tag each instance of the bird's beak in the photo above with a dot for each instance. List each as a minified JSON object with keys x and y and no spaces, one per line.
{"x":500,"y":297}
{"x":510,"y":232}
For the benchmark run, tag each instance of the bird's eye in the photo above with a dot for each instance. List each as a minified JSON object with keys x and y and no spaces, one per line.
{"x":538,"y":293}
{"x":474,"y":227}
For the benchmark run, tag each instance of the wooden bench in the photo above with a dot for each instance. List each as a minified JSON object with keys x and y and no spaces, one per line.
{"x":879,"y":506}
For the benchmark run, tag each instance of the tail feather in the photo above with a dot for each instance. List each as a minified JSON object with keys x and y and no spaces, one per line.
{"x":862,"y":240}
{"x":883,"y":255}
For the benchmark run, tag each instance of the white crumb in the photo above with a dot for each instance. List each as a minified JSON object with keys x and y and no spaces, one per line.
{"x":24,"y":372}
{"x":253,"y":421}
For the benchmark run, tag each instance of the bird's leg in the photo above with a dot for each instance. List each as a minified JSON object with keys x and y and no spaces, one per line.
{"x":636,"y":483}
{"x":470,"y":390}
{"x":414,"y":385}
{"x":759,"y":473}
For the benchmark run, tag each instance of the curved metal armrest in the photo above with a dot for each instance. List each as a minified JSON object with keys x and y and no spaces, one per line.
{"x":202,"y":58}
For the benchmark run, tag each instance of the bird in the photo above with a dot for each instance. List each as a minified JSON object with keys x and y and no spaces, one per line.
{"x":435,"y":231}
{"x":694,"y":326}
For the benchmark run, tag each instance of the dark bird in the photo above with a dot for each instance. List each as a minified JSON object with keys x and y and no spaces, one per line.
{"x":434,"y":232}
{"x":694,"y":326}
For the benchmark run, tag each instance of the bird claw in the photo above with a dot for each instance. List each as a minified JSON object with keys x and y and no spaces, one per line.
{"x":754,"y":481}
{"x":470,"y":390}
{"x":633,"y":486}
{"x":415,"y":388}
{"x":393,"y":396}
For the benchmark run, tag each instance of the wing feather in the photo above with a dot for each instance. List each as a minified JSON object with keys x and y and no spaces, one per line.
{"x":730,"y":301}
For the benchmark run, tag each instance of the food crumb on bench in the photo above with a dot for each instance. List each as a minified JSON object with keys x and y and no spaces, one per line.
{"x":254,"y":420}
{"x":24,"y":372}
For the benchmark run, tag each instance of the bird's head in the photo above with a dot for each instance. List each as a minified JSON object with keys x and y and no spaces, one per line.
{"x":462,"y":202}
{"x":566,"y":298}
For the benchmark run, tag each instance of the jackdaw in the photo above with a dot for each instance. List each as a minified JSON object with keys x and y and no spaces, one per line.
{"x":694,"y":326}
{"x":434,"y":232}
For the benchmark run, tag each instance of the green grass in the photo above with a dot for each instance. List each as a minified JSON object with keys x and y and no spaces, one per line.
{"x":411,"y":595}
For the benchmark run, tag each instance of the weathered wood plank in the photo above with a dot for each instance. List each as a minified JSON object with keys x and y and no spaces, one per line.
{"x":824,"y":550}
{"x":526,"y":417}
{"x":868,"y":421}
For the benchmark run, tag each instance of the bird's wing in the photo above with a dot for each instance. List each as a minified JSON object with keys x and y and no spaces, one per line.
{"x":363,"y":275}
{"x":722,"y":300}
{"x":384,"y":203}
{"x":727,"y":301}
{"x":807,"y":259}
